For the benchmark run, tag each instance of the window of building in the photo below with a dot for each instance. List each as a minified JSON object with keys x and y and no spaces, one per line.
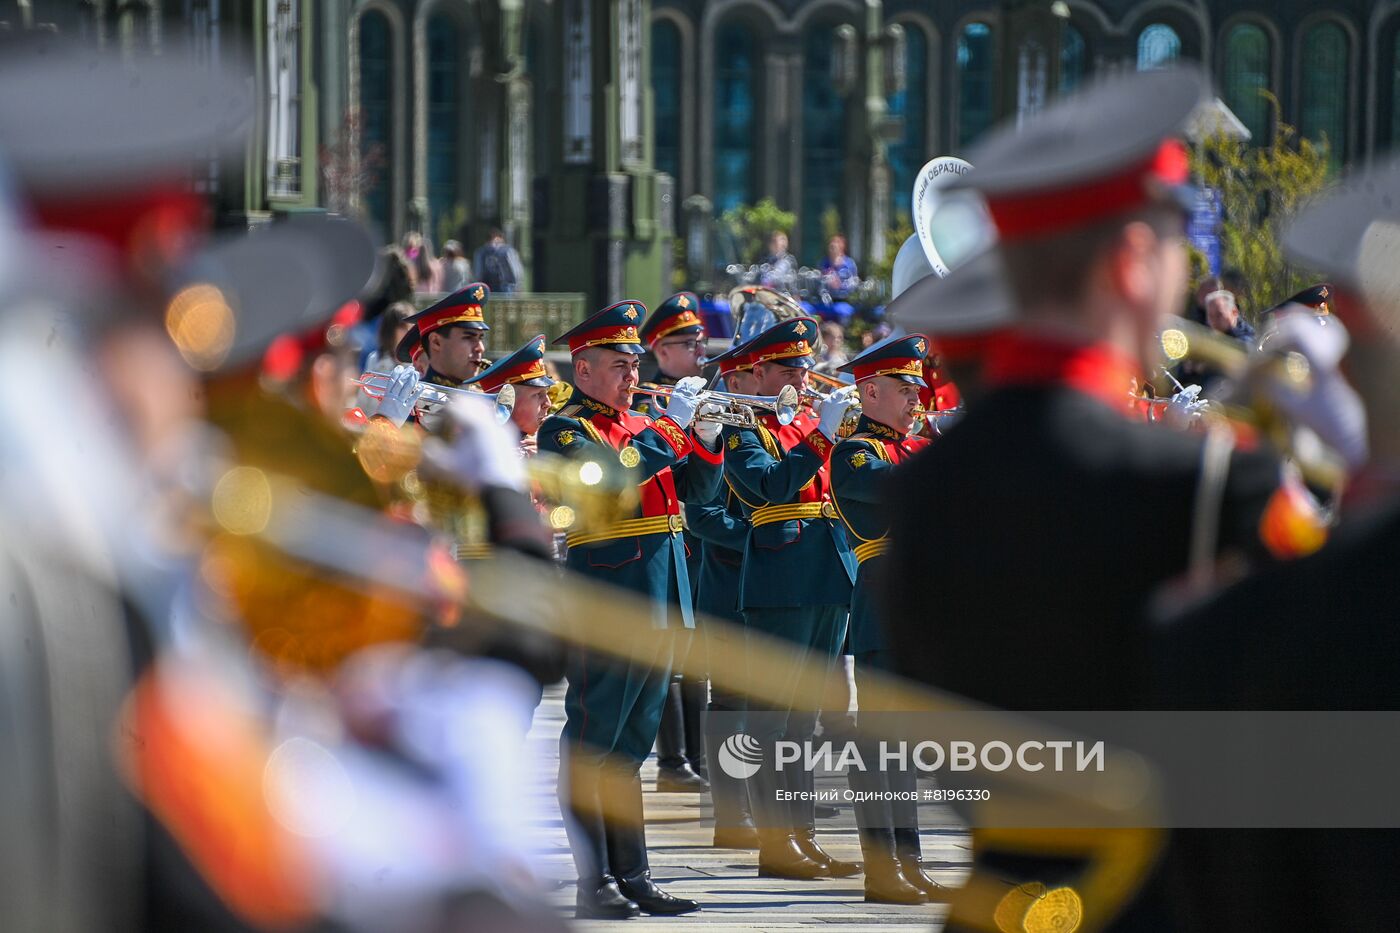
{"x":976,"y":81}
{"x":445,"y":118}
{"x":1158,"y":46}
{"x":1247,"y":67}
{"x":1032,"y":79}
{"x":908,"y":153}
{"x":1323,"y":111}
{"x":666,"y":95}
{"x":1074,"y":59}
{"x":736,"y":79}
{"x":823,"y":140}
{"x":376,"y":114}
{"x":283,"y":98}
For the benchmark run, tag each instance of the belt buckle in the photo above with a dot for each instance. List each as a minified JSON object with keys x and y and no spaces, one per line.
{"x":674,"y":521}
{"x":828,"y":510}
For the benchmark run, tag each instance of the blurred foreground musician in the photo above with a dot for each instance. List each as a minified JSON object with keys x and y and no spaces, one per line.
{"x":1092,"y":248}
{"x":613,"y":708}
{"x":890,"y":378}
{"x":1318,"y":634}
{"x":1047,"y":488}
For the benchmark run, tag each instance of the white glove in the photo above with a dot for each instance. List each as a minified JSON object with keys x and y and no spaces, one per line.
{"x":483,"y":452}
{"x":708,"y":431}
{"x":832,"y":411}
{"x":1327,"y":405}
{"x":684,"y":400}
{"x":1185,"y":407}
{"x":399,"y":397}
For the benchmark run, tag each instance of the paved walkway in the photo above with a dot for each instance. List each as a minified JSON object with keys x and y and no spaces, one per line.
{"x":725,"y":881}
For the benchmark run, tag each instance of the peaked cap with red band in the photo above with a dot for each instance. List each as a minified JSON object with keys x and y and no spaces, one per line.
{"x":410,"y":347}
{"x":613,"y":328}
{"x":679,"y":314}
{"x":1316,"y":299}
{"x":791,"y":343}
{"x":102,"y":146}
{"x":734,"y":360}
{"x":463,"y":307}
{"x":1106,"y":151}
{"x":524,"y":367}
{"x":899,"y":358}
{"x":278,"y":293}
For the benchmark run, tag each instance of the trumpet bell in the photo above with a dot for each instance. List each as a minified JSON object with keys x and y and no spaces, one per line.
{"x":505,"y":403}
{"x":786,"y":403}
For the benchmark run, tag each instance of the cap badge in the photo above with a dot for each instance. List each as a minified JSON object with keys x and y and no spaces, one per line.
{"x":684,"y":302}
{"x":477,"y":293}
{"x":920,"y":347}
{"x":630,"y":313}
{"x":800,"y":328}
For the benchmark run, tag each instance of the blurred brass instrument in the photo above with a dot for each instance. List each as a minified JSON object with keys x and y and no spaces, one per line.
{"x":431,"y":398}
{"x":783,"y":305}
{"x":1245,"y":401}
{"x":738,"y":410}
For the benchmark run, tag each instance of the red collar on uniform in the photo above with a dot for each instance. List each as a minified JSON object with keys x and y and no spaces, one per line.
{"x":1019,"y":358}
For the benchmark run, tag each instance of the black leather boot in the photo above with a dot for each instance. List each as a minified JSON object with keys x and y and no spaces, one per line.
{"x":673,"y":772}
{"x":885,"y":882}
{"x":601,"y":899}
{"x":911,"y":863}
{"x":627,"y":854}
{"x":597,"y":896}
{"x":695,"y":697}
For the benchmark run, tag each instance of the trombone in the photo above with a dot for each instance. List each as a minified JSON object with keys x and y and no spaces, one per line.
{"x":431,"y":399}
{"x":736,"y":410}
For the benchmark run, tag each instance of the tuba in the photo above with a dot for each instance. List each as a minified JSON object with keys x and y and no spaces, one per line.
{"x":758,"y":307}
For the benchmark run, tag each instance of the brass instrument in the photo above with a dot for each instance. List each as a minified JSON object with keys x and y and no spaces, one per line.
{"x":783,"y":306}
{"x":928,"y":422}
{"x":1250,"y":372}
{"x":738,"y":410}
{"x":851,"y":419}
{"x":431,"y":398}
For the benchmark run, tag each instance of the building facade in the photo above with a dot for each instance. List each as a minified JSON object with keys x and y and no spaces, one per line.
{"x":581,"y":127}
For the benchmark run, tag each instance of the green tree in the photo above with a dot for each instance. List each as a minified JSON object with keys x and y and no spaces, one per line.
{"x":751,"y":224}
{"x":1261,"y":187}
{"x":451,"y":226}
{"x":831,"y":226}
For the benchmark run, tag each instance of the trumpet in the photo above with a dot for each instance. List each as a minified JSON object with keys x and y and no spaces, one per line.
{"x":929,"y":422}
{"x":431,"y":399}
{"x":1250,"y":371}
{"x":737,"y":410}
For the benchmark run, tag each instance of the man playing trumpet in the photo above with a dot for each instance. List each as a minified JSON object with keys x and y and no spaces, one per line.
{"x":612,"y":709}
{"x":453,"y":335}
{"x":891,"y":379}
{"x":779,"y":473}
{"x":525,"y":372}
